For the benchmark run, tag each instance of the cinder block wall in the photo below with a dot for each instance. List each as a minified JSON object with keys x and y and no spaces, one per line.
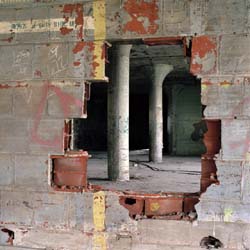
{"x":42,"y":74}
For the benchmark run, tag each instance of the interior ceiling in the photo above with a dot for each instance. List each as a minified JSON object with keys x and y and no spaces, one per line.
{"x":142,"y":58}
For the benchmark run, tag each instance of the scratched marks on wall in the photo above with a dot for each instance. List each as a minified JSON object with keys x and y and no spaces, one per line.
{"x":143,"y":16}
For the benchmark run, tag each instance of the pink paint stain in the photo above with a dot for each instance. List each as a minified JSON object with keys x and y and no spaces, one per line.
{"x":66,"y":100}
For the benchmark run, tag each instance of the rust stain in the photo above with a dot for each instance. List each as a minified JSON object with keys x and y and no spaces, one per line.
{"x":144,"y":15}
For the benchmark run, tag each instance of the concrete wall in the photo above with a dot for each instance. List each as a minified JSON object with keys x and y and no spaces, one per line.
{"x":43,"y":68}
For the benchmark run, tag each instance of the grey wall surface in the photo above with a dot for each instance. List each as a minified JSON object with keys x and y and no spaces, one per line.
{"x":42,"y":74}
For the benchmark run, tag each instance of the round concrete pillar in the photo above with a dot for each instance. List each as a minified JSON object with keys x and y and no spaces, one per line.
{"x":160,"y":71}
{"x":118,"y":114}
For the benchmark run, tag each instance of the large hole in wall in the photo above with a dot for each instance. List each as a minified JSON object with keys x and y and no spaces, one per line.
{"x":172,"y":188}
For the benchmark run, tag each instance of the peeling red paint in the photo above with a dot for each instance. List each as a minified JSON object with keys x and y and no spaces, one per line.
{"x":69,"y":9}
{"x":203,"y":46}
{"x":139,"y":11}
{"x":77,"y":63}
{"x":79,"y":47}
{"x":65,"y":30}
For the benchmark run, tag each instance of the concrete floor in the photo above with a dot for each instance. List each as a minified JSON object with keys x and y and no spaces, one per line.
{"x":175,"y":174}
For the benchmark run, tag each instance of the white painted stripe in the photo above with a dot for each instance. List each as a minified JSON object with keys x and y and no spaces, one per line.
{"x":43,"y":25}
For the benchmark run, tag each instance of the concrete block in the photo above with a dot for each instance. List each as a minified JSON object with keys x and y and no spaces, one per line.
{"x":197,"y":11}
{"x":230,"y":176}
{"x":16,"y":62}
{"x":164,"y":232}
{"x":227,"y":211}
{"x":50,"y":60}
{"x":222,"y":96}
{"x":176,"y":17}
{"x":234,"y":13}
{"x":246,"y":183}
{"x":17,"y":207}
{"x":31,"y":172}
{"x":13,"y":128}
{"x":36,"y":20}
{"x":7,"y":170}
{"x":234,"y":54}
{"x":14,"y":136}
{"x":55,"y":239}
{"x":138,"y":22}
{"x":52,"y":211}
{"x":7,"y":15}
{"x":78,"y":22}
{"x":79,"y":59}
{"x":204,"y":55}
{"x":113,"y":19}
{"x":65,"y":100}
{"x":235,"y":139}
{"x":46,"y":136}
{"x":14,"y":144}
{"x":29,"y":100}
{"x":6,"y":101}
{"x":81,"y":211}
{"x":245,"y":98}
{"x":117,"y":217}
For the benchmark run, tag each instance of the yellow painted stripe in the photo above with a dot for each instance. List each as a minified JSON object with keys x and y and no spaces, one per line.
{"x":99,"y":12}
{"x":99,"y":238}
{"x":99,"y":241}
{"x":100,"y":60}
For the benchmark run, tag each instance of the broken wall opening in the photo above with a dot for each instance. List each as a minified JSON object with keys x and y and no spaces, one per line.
{"x":182,"y":115}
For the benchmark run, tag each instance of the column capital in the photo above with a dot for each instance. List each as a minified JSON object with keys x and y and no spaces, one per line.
{"x":160,"y":71}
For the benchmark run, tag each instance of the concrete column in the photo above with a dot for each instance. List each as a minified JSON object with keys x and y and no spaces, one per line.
{"x":118,"y":114}
{"x":160,"y":71}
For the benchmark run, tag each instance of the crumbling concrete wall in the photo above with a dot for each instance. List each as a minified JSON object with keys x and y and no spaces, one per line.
{"x":49,"y":49}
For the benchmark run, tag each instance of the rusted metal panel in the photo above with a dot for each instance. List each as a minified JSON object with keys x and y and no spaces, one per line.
{"x":212,"y":138}
{"x":189,"y":203}
{"x":70,"y":170}
{"x":163,"y":41}
{"x":163,"y":206}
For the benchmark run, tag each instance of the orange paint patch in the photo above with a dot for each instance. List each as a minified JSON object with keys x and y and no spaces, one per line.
{"x":144,"y":15}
